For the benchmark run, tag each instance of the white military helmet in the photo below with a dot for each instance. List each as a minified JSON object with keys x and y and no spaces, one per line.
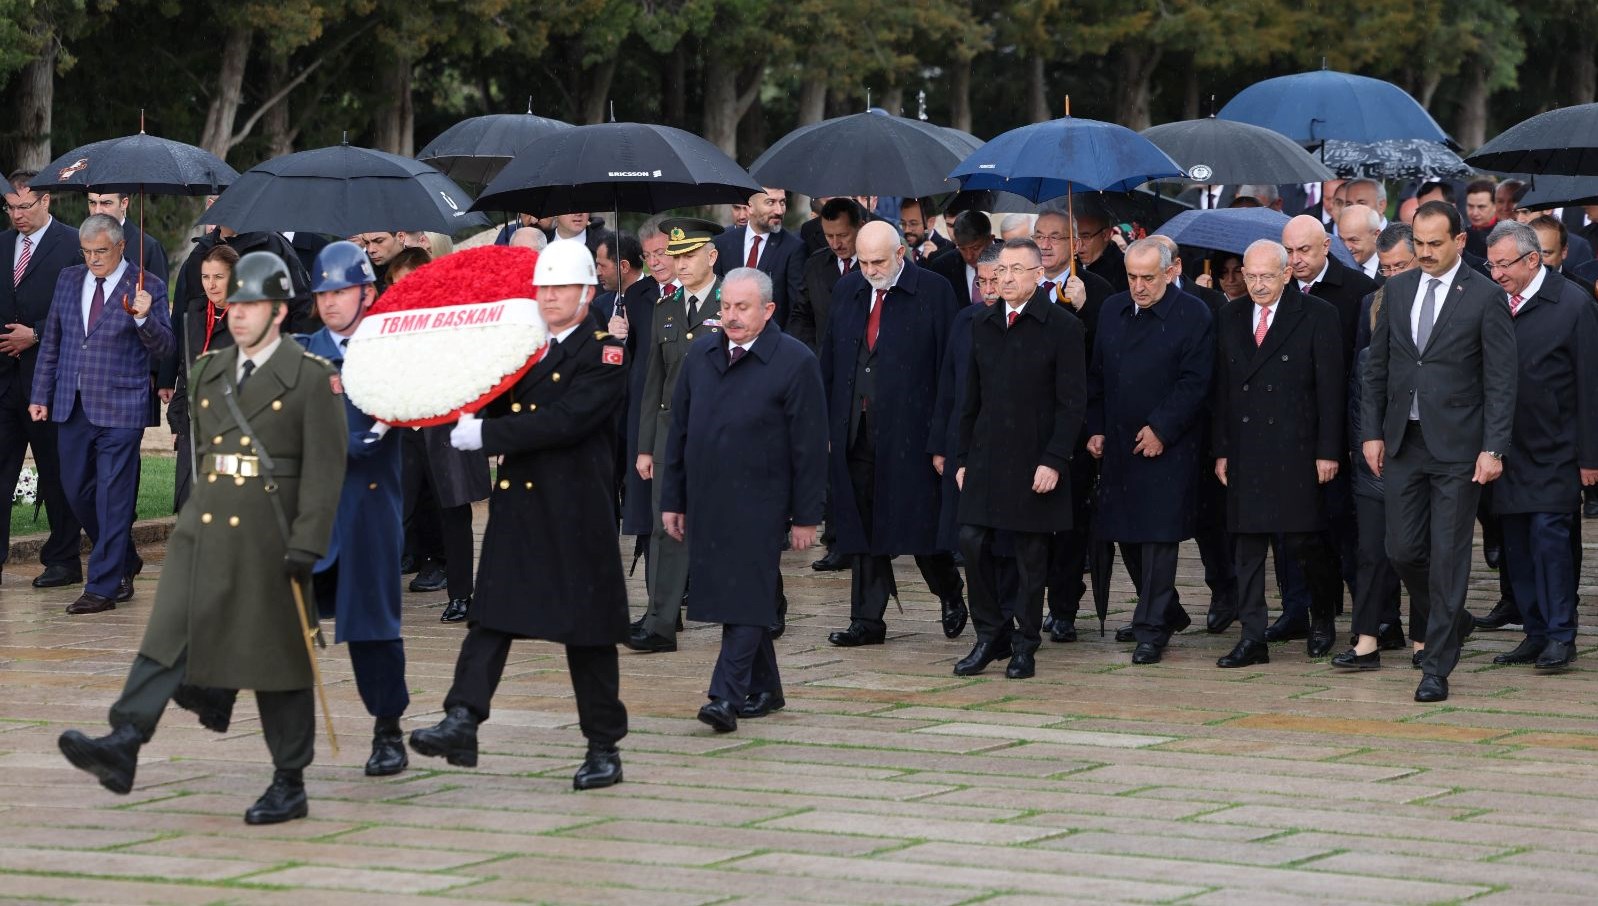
{"x":565,"y":263}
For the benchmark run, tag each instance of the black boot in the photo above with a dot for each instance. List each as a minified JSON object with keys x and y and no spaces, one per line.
{"x":388,"y":749}
{"x":601,"y":768}
{"x":454,"y":738}
{"x":455,"y":610}
{"x":214,"y":707}
{"x":955,"y":615}
{"x":113,"y":758}
{"x":283,"y":801}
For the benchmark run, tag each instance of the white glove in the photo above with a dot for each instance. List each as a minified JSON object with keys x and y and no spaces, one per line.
{"x":377,"y":431}
{"x":467,"y":433}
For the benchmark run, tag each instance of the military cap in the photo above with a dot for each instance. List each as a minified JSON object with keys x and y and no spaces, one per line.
{"x":684,"y":234}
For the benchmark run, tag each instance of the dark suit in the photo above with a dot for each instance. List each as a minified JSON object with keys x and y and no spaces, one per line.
{"x":1465,"y":399}
{"x":782,"y":258}
{"x":1345,"y":288}
{"x":939,"y":244}
{"x":1111,"y":265}
{"x":638,"y":302}
{"x":307,"y":246}
{"x":950,"y":265}
{"x":153,"y":260}
{"x":811,"y":311}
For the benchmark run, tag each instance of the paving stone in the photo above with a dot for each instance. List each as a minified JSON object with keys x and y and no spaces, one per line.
{"x":1039,"y":734}
{"x":113,"y":863}
{"x":908,"y":828}
{"x":361,"y":879}
{"x":392,"y":855}
{"x":756,"y":837}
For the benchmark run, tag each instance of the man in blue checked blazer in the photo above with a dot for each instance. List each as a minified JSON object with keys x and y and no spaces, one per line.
{"x":92,"y":379}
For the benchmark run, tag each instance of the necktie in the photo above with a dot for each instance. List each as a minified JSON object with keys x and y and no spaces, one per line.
{"x":1514,"y":305}
{"x":1307,"y":288}
{"x":843,"y":266}
{"x":1011,"y":321}
{"x":874,"y":320}
{"x":1428,"y":314}
{"x":1262,"y":327}
{"x":976,"y":291}
{"x":22,"y":261}
{"x":754,"y":253}
{"x":693,"y":310}
{"x":669,"y":290}
{"x":737,"y":353}
{"x":1053,"y":289}
{"x":344,"y":344}
{"x":96,"y":305}
{"x":249,"y":368}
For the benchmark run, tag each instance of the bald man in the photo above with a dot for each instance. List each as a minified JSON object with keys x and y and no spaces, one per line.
{"x":1317,"y":273}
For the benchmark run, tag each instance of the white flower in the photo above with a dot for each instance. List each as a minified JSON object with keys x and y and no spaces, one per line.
{"x":27,"y":492}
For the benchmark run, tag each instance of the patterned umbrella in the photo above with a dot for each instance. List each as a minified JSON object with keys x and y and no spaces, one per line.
{"x":1408,"y":158}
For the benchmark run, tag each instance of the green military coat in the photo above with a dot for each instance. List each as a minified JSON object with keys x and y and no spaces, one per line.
{"x":670,"y":335}
{"x":223,"y":593}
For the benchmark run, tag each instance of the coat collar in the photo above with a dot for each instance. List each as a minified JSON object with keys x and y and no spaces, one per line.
{"x":1286,"y":313}
{"x":1160,"y":309}
{"x":764,"y":347}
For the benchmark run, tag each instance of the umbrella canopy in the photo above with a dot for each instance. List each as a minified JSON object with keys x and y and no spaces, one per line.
{"x":343,"y":190}
{"x":963,"y":138}
{"x":1137,"y":206}
{"x":864,"y":154}
{"x":1394,"y":159}
{"x":1065,"y":156}
{"x":136,"y":163}
{"x":1311,"y":107}
{"x":475,"y":150}
{"x":1224,"y":152}
{"x":1234,"y":230}
{"x":617,"y":166}
{"x":1545,"y":192}
{"x":1562,"y":142}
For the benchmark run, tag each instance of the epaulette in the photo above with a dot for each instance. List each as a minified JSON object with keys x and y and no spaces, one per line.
{"x":324,"y":361}
{"x":600,"y":335}
{"x":207,"y":354}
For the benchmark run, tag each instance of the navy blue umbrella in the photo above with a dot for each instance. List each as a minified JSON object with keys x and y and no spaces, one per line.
{"x":1234,"y":230}
{"x":1311,"y":107}
{"x":1067,"y":156}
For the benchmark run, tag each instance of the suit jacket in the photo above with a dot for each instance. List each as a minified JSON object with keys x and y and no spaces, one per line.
{"x":1467,"y":387}
{"x":1111,"y":265}
{"x":638,"y":301}
{"x":28,"y":302}
{"x":306,"y":247}
{"x":940,"y":243}
{"x":1099,"y":290}
{"x":1586,"y":277}
{"x":950,"y":265}
{"x":1345,"y":288}
{"x":782,"y":258}
{"x":154,"y":260}
{"x":808,"y":322}
{"x":670,"y":336}
{"x":110,"y":367}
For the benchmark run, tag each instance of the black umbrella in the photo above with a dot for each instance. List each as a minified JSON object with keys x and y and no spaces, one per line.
{"x":865,"y":154}
{"x":1142,"y":205}
{"x":1225,"y":152}
{"x":1101,"y":564}
{"x":476,"y":149}
{"x":343,"y":190}
{"x":1411,"y":158}
{"x":1562,"y":142}
{"x":617,"y":166}
{"x":1545,"y":192}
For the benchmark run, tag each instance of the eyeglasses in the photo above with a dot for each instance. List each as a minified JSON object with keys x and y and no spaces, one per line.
{"x":1495,"y":266}
{"x":93,"y":254}
{"x":1001,"y":272}
{"x":19,"y":208}
{"x":1052,"y":238}
{"x":1255,"y":279}
{"x":1389,"y":270}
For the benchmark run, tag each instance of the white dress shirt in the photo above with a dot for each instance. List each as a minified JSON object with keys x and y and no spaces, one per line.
{"x":1304,"y":286}
{"x":33,"y":237}
{"x":1371,"y":266}
{"x":110,"y":285}
{"x":749,"y":240}
{"x":1442,"y":295}
{"x":1531,"y":288}
{"x":260,"y":357}
{"x":871,"y":303}
{"x":1260,"y":310}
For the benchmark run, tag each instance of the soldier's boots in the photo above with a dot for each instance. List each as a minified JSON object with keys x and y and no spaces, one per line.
{"x":113,"y":758}
{"x":388,"y":749}
{"x":601,"y":768}
{"x":214,"y":707}
{"x":454,"y":738}
{"x":283,"y":801}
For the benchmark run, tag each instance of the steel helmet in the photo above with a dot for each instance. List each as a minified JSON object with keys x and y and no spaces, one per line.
{"x":340,"y":265}
{"x":564,"y":263}
{"x":260,"y":277}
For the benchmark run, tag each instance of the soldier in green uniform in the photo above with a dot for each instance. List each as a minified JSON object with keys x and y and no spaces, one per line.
{"x":691,"y":312}
{"x":270,"y":431}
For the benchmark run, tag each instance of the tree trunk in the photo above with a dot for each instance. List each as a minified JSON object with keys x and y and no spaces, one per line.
{"x":217,"y":137}
{"x":960,"y":95}
{"x":1135,"y":70}
{"x":1192,"y":100}
{"x":1471,"y":128}
{"x":752,"y":132}
{"x":1037,"y":98}
{"x":1583,"y":85}
{"x":279,"y":139}
{"x":893,"y":101}
{"x":395,"y":128}
{"x":677,"y":87}
{"x":1428,"y":89}
{"x":596,"y":91}
{"x":726,"y":102}
{"x":35,"y":102}
{"x":812,"y":99}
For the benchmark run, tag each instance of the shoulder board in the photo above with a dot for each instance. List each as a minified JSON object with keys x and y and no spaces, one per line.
{"x":600,"y":335}
{"x":314,"y":357}
{"x":207,"y":354}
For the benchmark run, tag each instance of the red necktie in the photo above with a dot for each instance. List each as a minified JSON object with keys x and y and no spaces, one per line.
{"x":22,"y":261}
{"x":96,"y":305}
{"x":754,"y":253}
{"x":668,"y":291}
{"x":874,"y":321}
{"x":1514,"y":305}
{"x":843,"y":266}
{"x":1264,"y":325}
{"x":1011,"y":322}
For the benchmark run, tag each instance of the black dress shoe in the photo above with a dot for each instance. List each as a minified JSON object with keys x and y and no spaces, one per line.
{"x":601,"y":767}
{"x":1349,"y":660}
{"x":857,"y":635}
{"x":1556,"y":655}
{"x":637,"y":624}
{"x":1432,"y":688}
{"x":124,"y":590}
{"x":431,"y":578}
{"x":719,"y":715}
{"x":1493,"y":556}
{"x":1524,"y":653}
{"x":982,"y":654}
{"x":455,"y":610}
{"x":1416,"y":658}
{"x":1322,"y":636}
{"x":831,"y":563}
{"x":1590,"y":509}
{"x":57,"y":576}
{"x":388,"y":749}
{"x":1390,"y":637}
{"x":454,"y":738}
{"x":1146,"y":653}
{"x":1504,"y":613}
{"x":1126,"y":634}
{"x":954,"y":616}
{"x":1245,"y":654}
{"x":283,"y":801}
{"x":759,"y":704}
{"x":88,"y":602}
{"x":113,"y":758}
{"x":1285,"y":630}
{"x":214,"y":707}
{"x":1063,"y":631}
{"x":1218,"y":621}
{"x":1023,"y":663}
{"x":649,"y":643}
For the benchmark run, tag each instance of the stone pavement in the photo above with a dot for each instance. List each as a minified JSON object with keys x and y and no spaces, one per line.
{"x":886,"y":780}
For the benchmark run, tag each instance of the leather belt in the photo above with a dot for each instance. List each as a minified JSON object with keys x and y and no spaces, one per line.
{"x":237,"y":465}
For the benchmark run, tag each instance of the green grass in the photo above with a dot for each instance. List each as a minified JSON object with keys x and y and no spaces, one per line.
{"x":155,"y":498}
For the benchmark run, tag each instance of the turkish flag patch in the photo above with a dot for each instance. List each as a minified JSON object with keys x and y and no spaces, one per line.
{"x":336,"y":383}
{"x":611,"y":355}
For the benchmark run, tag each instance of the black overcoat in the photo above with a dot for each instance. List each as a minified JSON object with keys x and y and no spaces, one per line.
{"x":1278,"y":408}
{"x":638,"y":301}
{"x":1025,"y":398}
{"x":745,"y":456}
{"x":1556,"y":408}
{"x":1151,"y":367}
{"x":913,"y":333}
{"x":944,"y":437}
{"x":549,"y":567}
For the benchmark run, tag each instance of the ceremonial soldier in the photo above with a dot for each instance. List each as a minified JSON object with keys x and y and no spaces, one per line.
{"x":355,"y":582}
{"x":549,"y":568}
{"x":271,"y":436}
{"x":690,"y":312}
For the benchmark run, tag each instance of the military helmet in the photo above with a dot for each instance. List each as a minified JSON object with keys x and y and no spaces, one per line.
{"x":340,"y":265}
{"x":260,"y":277}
